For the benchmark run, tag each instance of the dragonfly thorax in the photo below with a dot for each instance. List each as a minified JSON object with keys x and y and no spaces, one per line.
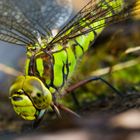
{"x":41,"y":44}
{"x":34,"y":49}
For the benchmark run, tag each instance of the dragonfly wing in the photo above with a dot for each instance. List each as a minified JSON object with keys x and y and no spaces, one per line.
{"x":14,"y":24}
{"x":21,"y":20}
{"x":7,"y":36}
{"x":94,"y":12}
{"x":46,"y":14}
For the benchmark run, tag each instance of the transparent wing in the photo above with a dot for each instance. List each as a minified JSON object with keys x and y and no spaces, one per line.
{"x":14,"y":25}
{"x":20,"y":20}
{"x":91,"y":13}
{"x":48,"y":14}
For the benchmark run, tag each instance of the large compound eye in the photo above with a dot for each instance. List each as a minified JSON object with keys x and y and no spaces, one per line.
{"x":29,"y":95}
{"x":38,"y":93}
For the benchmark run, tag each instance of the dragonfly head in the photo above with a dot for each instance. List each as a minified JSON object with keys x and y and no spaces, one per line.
{"x":29,"y":97}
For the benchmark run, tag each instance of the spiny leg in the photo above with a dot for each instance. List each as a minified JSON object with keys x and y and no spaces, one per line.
{"x":56,"y":110}
{"x":83,"y":82}
{"x":57,"y":107}
{"x":64,"y":108}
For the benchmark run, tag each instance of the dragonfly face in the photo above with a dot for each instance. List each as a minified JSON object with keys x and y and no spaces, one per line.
{"x":29,"y":97}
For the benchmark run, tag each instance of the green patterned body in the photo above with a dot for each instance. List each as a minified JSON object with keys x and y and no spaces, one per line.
{"x":55,"y":66}
{"x":51,"y":61}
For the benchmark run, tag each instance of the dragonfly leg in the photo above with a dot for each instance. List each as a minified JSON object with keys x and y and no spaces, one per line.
{"x":56,"y":110}
{"x":36,"y":123}
{"x":62,"y":107}
{"x":39,"y":118}
{"x":75,"y":99}
{"x":57,"y":107}
{"x":83,"y":82}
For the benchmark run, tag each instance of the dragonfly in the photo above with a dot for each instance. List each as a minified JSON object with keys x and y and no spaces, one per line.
{"x":51,"y":60}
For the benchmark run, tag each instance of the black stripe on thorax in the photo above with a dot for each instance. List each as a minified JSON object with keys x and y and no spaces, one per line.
{"x":31,"y":66}
{"x":79,"y":45}
{"x":66,"y":65}
{"x":74,"y":49}
{"x":51,"y":62}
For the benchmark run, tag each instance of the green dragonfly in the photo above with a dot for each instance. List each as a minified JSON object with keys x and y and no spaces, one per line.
{"x":51,"y":60}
